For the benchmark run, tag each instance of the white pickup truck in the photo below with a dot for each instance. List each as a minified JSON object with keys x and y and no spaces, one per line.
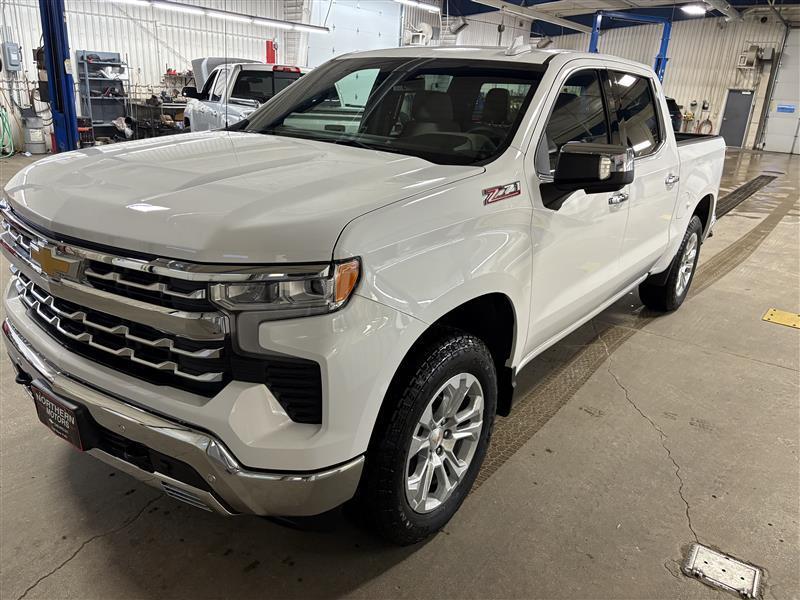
{"x":277,"y":319}
{"x":232,"y":91}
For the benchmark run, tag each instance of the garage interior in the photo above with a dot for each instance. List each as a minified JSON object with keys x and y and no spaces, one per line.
{"x":630,"y":440}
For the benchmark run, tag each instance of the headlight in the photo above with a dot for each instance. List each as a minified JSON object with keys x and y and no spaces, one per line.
{"x":284,"y":295}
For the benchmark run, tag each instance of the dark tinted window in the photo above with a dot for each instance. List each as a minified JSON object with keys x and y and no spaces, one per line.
{"x":578,"y":116}
{"x":637,"y":111}
{"x":283,"y":79}
{"x":207,"y":85}
{"x":253,"y":85}
{"x":218,"y":91}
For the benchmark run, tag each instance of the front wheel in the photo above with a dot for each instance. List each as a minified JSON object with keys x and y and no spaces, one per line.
{"x":431,"y":438}
{"x":670,"y":294}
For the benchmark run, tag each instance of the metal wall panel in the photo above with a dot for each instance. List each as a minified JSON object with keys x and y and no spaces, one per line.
{"x":482,"y":30}
{"x":149,"y":39}
{"x":703,"y":55}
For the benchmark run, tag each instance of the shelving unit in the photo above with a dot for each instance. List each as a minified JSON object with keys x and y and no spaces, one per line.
{"x":102,"y":98}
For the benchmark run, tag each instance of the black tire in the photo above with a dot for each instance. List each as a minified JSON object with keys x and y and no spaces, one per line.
{"x":381,"y":501}
{"x":664,"y":295}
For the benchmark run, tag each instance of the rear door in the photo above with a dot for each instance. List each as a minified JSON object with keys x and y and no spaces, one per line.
{"x":644,"y":126}
{"x":578,"y":236}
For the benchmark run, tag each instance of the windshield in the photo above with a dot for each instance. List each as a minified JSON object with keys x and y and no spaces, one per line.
{"x":443,"y":110}
{"x":261,"y":85}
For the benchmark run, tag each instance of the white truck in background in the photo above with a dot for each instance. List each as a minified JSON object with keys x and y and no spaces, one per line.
{"x":328,"y":301}
{"x":229,"y":90}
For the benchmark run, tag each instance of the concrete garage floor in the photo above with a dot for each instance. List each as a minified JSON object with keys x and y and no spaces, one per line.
{"x":631,"y":439}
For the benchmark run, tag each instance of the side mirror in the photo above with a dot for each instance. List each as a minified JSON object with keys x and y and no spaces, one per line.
{"x":190,"y":92}
{"x":594,"y":168}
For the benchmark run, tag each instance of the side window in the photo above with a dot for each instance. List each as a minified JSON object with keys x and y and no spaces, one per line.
{"x":218,"y":91}
{"x":204,"y":93}
{"x":637,"y":111}
{"x":579,"y":115}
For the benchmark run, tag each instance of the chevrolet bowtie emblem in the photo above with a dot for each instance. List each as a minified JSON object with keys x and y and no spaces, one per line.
{"x":49,"y":264}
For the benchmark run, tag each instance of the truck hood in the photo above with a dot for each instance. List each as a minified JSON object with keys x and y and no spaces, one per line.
{"x":219,"y":196}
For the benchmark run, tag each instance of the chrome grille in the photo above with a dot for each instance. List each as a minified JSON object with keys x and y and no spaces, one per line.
{"x":134,"y":283}
{"x":124,"y":340}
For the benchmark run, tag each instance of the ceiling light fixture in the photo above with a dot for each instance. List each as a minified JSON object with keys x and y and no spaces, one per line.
{"x":225,"y":16}
{"x":135,"y":2}
{"x":418,"y":4}
{"x":695,"y":10}
{"x":184,"y":8}
{"x":228,"y":16}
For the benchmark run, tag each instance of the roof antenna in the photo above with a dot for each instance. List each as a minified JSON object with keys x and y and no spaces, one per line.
{"x":518,"y":46}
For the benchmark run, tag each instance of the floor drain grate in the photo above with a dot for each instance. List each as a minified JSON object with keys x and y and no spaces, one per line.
{"x":721,"y":571}
{"x":730,"y":201}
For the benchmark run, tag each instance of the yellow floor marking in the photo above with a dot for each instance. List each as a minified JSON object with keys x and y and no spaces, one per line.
{"x":782,"y":317}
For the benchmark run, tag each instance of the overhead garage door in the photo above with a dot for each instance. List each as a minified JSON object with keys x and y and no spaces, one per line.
{"x":783,"y":125}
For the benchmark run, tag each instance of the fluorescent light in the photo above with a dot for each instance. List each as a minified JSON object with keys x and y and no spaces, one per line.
{"x":418,"y":4}
{"x":694,"y":9}
{"x":184,"y":8}
{"x":133,"y":2}
{"x":275,"y":24}
{"x":229,"y":16}
{"x":308,"y":28}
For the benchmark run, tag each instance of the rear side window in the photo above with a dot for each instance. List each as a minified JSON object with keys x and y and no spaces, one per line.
{"x":637,"y":112}
{"x":579,"y":115}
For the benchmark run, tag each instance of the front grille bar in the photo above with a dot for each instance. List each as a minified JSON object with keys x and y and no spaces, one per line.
{"x":35,"y":300}
{"x":156,"y":286}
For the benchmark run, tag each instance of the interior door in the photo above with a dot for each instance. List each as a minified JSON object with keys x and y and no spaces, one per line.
{"x":643,"y":126}
{"x":736,"y":117}
{"x":577,"y":237}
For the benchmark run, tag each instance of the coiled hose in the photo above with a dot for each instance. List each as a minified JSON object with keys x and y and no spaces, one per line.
{"x":6,"y":138}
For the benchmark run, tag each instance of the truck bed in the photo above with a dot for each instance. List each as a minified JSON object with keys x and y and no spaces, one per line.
{"x":685,"y":138}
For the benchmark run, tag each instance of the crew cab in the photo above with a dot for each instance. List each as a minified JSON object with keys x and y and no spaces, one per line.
{"x":232,"y":91}
{"x":285,"y":316}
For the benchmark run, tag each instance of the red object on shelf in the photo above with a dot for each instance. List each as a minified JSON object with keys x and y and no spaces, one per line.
{"x":272,"y":52}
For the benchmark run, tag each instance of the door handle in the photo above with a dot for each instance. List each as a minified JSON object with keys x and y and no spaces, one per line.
{"x":618,"y":198}
{"x":671,"y":180}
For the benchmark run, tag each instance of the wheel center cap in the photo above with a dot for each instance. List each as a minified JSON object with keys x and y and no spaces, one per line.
{"x":436,"y":437}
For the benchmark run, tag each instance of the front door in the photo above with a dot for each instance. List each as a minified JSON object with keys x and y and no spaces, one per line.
{"x":736,"y":117}
{"x":643,"y":126}
{"x":200,"y":116}
{"x":215,"y":105}
{"x":577,"y":237}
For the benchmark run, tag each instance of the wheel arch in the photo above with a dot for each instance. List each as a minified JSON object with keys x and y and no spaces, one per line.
{"x":492,"y":318}
{"x":703,"y":209}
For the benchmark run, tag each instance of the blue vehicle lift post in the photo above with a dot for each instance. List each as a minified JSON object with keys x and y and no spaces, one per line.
{"x":661,"y":59}
{"x":59,"y":80}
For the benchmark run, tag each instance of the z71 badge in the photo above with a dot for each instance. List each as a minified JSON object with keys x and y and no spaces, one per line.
{"x":501,"y":192}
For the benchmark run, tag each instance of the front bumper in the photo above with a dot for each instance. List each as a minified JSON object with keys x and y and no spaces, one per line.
{"x":231,"y":488}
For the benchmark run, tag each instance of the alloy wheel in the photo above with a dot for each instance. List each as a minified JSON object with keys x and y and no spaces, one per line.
{"x":444,"y":442}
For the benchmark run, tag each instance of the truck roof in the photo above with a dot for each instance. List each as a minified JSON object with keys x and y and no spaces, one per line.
{"x":520,"y":54}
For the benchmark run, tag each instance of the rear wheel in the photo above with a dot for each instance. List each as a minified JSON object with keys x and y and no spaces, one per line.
{"x":670,"y":294}
{"x":431,"y":438}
